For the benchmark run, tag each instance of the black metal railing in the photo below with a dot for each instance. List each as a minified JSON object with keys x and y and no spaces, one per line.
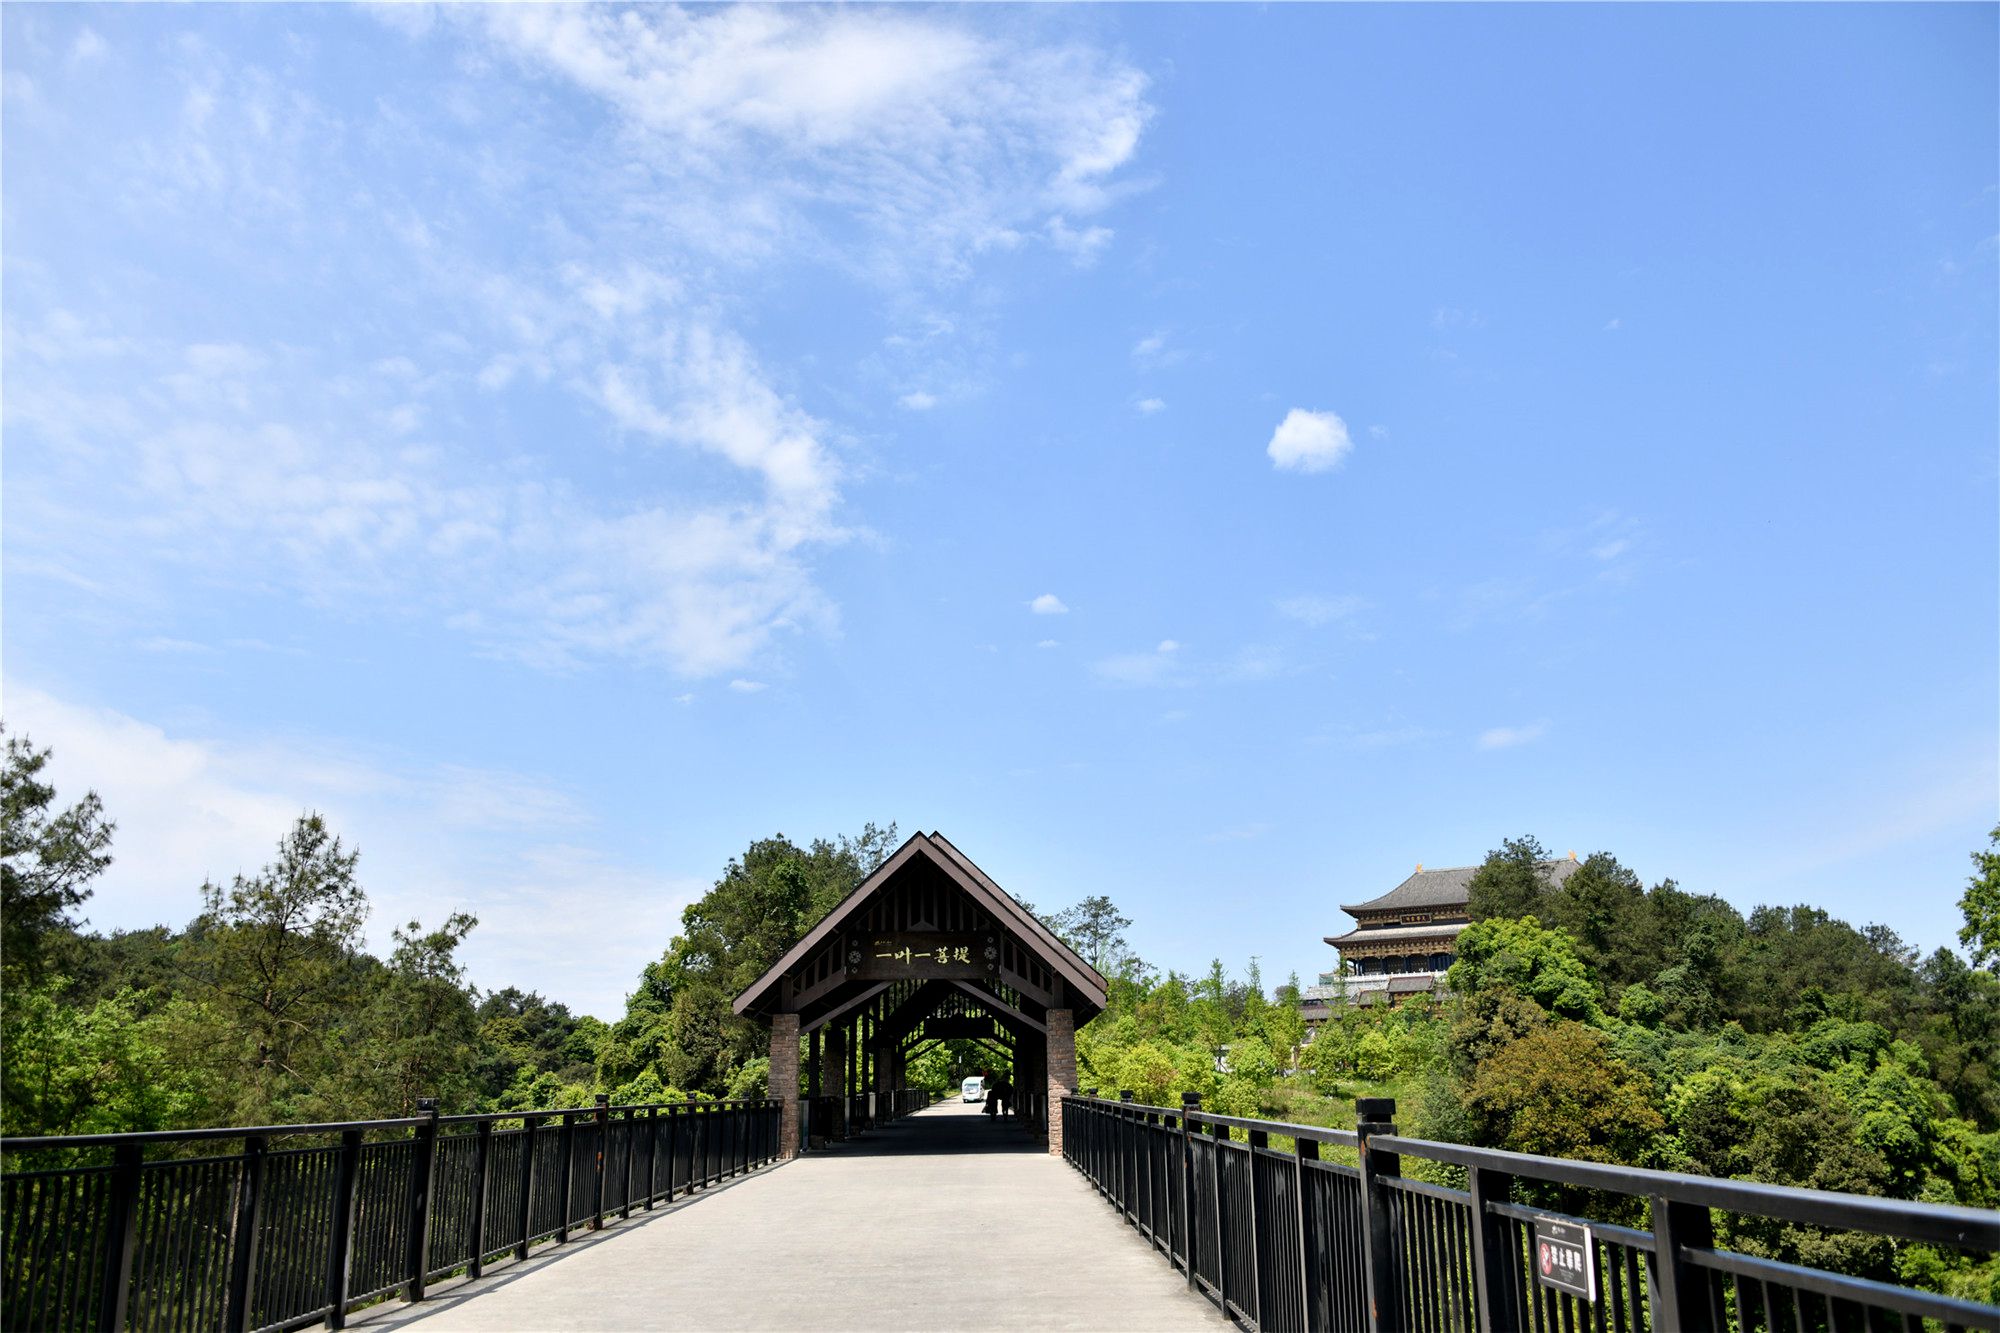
{"x":300,"y":1224}
{"x":1284,"y":1240}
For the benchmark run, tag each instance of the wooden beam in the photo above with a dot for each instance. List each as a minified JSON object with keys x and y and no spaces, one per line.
{"x":1028,"y":988}
{"x":834,"y":979}
{"x":1000,"y":1006}
{"x":852,"y":1004}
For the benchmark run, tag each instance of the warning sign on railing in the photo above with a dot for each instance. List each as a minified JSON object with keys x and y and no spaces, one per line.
{"x":1563,"y":1258}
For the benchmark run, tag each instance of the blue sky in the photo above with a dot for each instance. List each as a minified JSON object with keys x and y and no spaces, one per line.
{"x":1216,"y":458}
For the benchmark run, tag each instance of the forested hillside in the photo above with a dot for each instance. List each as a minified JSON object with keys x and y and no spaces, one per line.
{"x":1655,"y":1027}
{"x":1597,"y":1018}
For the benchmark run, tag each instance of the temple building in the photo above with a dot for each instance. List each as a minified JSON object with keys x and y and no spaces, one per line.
{"x":1402,"y":942}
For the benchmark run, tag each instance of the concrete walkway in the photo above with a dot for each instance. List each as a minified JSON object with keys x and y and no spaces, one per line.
{"x":944,"y":1220}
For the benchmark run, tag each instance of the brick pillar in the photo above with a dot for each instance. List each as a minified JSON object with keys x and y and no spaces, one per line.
{"x":785,"y":1080}
{"x":1061,"y":1070}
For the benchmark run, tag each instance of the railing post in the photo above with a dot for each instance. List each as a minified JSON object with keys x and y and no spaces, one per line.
{"x":1303,"y":1151}
{"x":422,"y":1172}
{"x":1375,"y":1116}
{"x":600,"y":1118}
{"x":674,"y":1118}
{"x":652,"y":1155}
{"x":1151,"y":1137}
{"x":340,"y":1236}
{"x":121,"y":1237}
{"x":1219,"y":1135}
{"x":243,"y":1247}
{"x":1190,"y":1103}
{"x":631,"y":1159}
{"x":565,"y":1170}
{"x":1257,"y":1138}
{"x":1127,"y":1201}
{"x":1495,"y":1263}
{"x":528,"y":1137}
{"x":482,"y":1178}
{"x":1680,"y":1290}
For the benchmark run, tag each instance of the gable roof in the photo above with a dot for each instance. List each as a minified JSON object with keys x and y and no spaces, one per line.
{"x":976,"y":884}
{"x":1443,"y":888}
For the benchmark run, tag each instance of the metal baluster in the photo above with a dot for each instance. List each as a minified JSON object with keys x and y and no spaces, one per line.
{"x":1378,"y":1211}
{"x":482,"y":1173}
{"x":423,"y":1171}
{"x":243,"y":1250}
{"x":527,"y":1185}
{"x":340,"y":1237}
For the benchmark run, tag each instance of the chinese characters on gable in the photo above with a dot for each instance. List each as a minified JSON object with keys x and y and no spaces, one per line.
{"x":947,"y":956}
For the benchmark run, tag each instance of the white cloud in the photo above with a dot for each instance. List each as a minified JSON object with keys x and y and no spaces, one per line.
{"x":918,"y":401}
{"x":944,"y":139}
{"x":266,"y":468}
{"x":1613,"y":325}
{"x":896,"y":146}
{"x":1309,"y":442}
{"x":1155,"y":351}
{"x":1048,"y":604}
{"x":1159,"y":667}
{"x":88,"y":46}
{"x":1502,"y":738}
{"x":1316,"y":611}
{"x":515,"y":850}
{"x":747,"y":686}
{"x":1446,"y":318}
{"x":1081,"y":245}
{"x":1148,"y":406}
{"x":1049,"y":643}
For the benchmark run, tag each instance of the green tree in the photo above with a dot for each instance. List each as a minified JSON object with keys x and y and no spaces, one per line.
{"x":421,"y":1027}
{"x":1522,"y":956}
{"x":1512,"y":881}
{"x":96,"y":1069}
{"x":1560,"y":1092}
{"x":1980,"y":903}
{"x":274,"y":960}
{"x":46,"y":860}
{"x":1095,"y":928}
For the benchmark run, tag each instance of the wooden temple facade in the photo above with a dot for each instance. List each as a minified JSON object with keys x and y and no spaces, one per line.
{"x":1403,"y":941}
{"x":926,"y":949}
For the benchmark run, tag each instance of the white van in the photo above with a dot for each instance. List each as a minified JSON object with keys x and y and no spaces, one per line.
{"x":974,"y":1089}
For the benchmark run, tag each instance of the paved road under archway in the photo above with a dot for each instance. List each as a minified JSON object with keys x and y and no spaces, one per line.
{"x":943,"y":1220}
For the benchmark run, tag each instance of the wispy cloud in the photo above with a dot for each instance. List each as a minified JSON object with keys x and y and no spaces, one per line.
{"x":1241,"y":833}
{"x":1159,"y":667}
{"x":1308,"y":441}
{"x":516,"y":850}
{"x":944,"y":138}
{"x":1048,"y":604}
{"x":893,"y":147}
{"x":1505,"y":738}
{"x":741,"y":686}
{"x":1313,"y":610}
{"x":1146,"y":407}
{"x":1156,"y":350}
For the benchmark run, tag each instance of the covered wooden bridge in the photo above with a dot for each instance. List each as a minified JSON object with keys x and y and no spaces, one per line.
{"x":926,"y":949}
